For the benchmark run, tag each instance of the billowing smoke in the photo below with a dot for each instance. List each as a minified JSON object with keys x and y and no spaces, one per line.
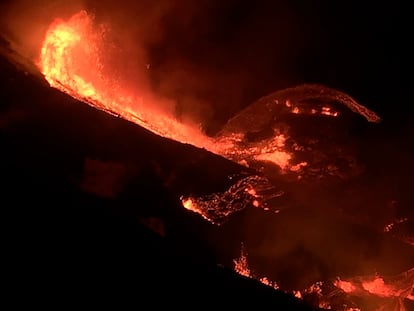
{"x":206,"y":59}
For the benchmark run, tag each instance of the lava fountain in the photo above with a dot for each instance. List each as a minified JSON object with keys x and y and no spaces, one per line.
{"x":74,"y":59}
{"x":71,"y":60}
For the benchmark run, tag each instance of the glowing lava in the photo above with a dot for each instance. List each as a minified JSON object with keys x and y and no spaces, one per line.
{"x":78,"y":57}
{"x":71,"y":61}
{"x":390,"y":292}
{"x":74,"y":59}
{"x":400,"y":286}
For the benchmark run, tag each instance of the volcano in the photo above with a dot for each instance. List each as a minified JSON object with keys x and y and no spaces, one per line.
{"x":82,"y":215}
{"x":299,"y":194}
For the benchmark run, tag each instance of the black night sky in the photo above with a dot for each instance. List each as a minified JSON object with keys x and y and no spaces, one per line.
{"x":237,"y":51}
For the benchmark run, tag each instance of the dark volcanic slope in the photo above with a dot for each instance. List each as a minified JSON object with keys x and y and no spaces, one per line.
{"x":80,"y":189}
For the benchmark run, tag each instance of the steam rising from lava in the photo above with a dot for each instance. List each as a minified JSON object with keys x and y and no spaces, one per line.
{"x":72,"y":60}
{"x":78,"y":57}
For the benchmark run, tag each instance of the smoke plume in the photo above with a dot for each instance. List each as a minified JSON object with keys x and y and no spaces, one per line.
{"x":203,"y":60}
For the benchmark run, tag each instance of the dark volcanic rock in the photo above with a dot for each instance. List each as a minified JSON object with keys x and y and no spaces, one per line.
{"x":93,"y":200}
{"x":79,"y":186}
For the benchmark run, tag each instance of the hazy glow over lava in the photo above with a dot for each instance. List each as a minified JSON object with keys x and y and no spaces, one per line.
{"x":71,"y":60}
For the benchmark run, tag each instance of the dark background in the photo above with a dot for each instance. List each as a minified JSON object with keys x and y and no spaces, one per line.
{"x":230,"y":53}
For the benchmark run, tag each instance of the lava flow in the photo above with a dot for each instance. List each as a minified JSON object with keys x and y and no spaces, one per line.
{"x":389,"y":292}
{"x":71,"y":61}
{"x":74,"y":60}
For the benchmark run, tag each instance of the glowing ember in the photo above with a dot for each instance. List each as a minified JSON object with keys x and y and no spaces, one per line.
{"x":378,"y":287}
{"x":216,"y":207}
{"x":327,"y":111}
{"x":281,"y":158}
{"x":188,"y":204}
{"x":241,"y":266}
{"x":346,"y":286}
{"x":399,"y":228}
{"x":388,"y":227}
{"x":191,"y":205}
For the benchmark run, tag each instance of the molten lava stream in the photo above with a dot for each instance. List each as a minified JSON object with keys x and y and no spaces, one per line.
{"x":70,"y":60}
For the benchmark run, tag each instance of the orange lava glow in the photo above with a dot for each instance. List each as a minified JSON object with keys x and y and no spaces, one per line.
{"x":378,"y":287}
{"x":397,"y":287}
{"x":241,"y":266}
{"x":76,"y":58}
{"x":70,"y":60}
{"x":73,"y":59}
{"x":346,"y":286}
{"x":393,"y":290}
{"x":191,"y":205}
